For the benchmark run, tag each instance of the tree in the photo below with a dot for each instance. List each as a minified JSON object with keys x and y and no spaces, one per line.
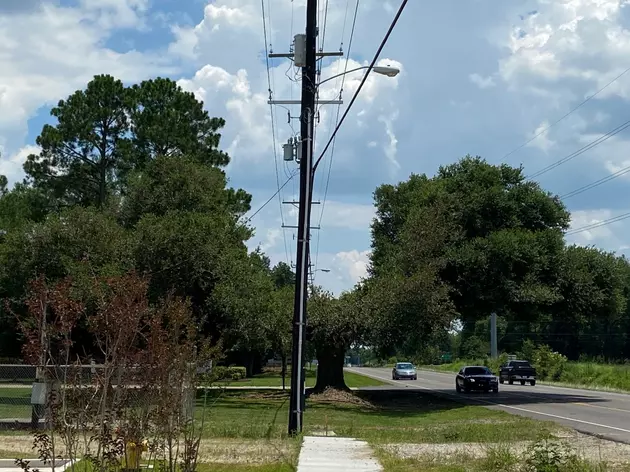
{"x":107,"y":131}
{"x":79,"y":243}
{"x":176,"y":184}
{"x":283,"y":275}
{"x":280,"y":323}
{"x":79,"y":156}
{"x":335,"y":323}
{"x":22,"y":205}
{"x":4,"y":185}
{"x":501,"y":237}
{"x":591,"y":316}
{"x":167,"y":121}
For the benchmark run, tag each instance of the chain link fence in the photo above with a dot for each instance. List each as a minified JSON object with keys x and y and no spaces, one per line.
{"x":21,"y":396}
{"x":16,"y":384}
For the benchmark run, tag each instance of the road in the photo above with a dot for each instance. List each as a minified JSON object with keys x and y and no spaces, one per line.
{"x":604,"y":414}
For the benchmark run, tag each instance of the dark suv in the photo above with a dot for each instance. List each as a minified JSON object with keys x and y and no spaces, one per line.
{"x":520,"y":371}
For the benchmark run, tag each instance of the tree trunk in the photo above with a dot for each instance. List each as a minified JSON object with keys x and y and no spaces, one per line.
{"x":284,"y":371}
{"x":330,"y":368}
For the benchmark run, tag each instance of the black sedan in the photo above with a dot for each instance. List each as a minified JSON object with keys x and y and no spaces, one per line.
{"x":476,"y":378}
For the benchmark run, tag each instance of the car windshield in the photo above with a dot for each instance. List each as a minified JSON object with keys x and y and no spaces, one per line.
{"x":404,"y":366}
{"x":477,"y":371}
{"x":521,"y":364}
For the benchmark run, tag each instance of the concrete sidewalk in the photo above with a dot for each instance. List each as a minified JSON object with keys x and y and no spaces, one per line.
{"x":333,"y":454}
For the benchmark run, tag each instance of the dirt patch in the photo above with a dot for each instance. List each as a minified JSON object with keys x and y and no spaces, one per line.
{"x":586,"y":447}
{"x":248,"y":451}
{"x":210,"y":450}
{"x":331,"y":395}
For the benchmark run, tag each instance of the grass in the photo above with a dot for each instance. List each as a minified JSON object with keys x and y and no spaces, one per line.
{"x":15,"y":402}
{"x":273,"y":378}
{"x":589,"y":375}
{"x":376,"y":416}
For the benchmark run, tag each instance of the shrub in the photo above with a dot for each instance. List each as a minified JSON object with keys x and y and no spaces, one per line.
{"x":236,"y":373}
{"x":495,"y":364}
{"x":218,"y":373}
{"x":549,"y":364}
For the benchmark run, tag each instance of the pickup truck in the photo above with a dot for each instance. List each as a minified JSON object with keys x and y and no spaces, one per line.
{"x":517,"y":370}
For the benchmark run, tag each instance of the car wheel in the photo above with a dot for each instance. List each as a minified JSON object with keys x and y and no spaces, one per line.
{"x":500,"y":380}
{"x":522,"y":382}
{"x":533,"y":382}
{"x":511,"y":382}
{"x":458,"y":389}
{"x":495,"y":390}
{"x":415,"y":377}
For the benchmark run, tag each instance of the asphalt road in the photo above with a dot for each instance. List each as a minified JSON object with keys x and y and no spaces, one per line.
{"x":602,"y":414}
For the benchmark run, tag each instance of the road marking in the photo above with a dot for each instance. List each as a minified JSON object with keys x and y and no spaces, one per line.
{"x":502,"y":405}
{"x":602,"y":407}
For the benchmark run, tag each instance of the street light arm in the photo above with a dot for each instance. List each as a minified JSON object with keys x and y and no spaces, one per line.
{"x":383,"y":70}
{"x":342,"y":74}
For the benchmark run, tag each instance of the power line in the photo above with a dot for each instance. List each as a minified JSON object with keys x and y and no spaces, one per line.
{"x":332,"y":150}
{"x":581,"y":151}
{"x":369,"y":69}
{"x":565,"y":115}
{"x":598,"y":224}
{"x":273,"y":126}
{"x":271,"y":198}
{"x":597,"y":183}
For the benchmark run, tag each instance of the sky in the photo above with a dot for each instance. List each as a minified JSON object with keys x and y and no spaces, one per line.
{"x":479,"y":77}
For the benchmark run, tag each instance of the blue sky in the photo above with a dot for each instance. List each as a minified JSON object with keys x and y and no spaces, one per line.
{"x":477,"y":76}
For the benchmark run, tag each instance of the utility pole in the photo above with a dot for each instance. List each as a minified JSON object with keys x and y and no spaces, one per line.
{"x":309,"y":88}
{"x":301,"y":150}
{"x":494,"y":353}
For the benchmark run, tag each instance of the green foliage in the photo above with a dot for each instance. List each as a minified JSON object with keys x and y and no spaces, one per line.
{"x":550,"y":455}
{"x":474,"y":348}
{"x":549,"y":364}
{"x":495,"y":364}
{"x":236,"y":373}
{"x":168,"y":121}
{"x":80,"y":155}
{"x":108,"y":130}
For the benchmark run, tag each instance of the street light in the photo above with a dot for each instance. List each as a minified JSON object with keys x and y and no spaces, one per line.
{"x":383,"y":70}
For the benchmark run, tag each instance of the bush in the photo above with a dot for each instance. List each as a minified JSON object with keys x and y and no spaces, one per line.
{"x":549,"y":364}
{"x":495,"y":364}
{"x":236,"y":373}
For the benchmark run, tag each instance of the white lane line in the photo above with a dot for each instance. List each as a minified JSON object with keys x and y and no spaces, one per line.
{"x":583,"y":391}
{"x":502,"y":405}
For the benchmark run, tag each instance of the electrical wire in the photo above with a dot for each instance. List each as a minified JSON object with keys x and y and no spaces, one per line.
{"x":598,"y":224}
{"x":295,"y":172}
{"x":273,"y":126}
{"x":597,"y":183}
{"x":581,"y":151}
{"x":544,"y":130}
{"x":370,"y":67}
{"x":332,"y":151}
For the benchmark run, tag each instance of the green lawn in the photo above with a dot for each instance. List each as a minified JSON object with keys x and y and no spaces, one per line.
{"x":272,"y":378}
{"x":15,"y":402}
{"x":246,"y":431}
{"x":376,"y":416}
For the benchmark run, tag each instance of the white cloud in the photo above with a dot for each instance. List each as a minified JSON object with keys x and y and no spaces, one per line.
{"x":568,"y":39}
{"x":611,"y":237}
{"x":52,"y":51}
{"x":541,"y":135}
{"x":482,"y":82}
{"x":346,"y":215}
{"x":352,"y":264}
{"x":11,"y":166}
